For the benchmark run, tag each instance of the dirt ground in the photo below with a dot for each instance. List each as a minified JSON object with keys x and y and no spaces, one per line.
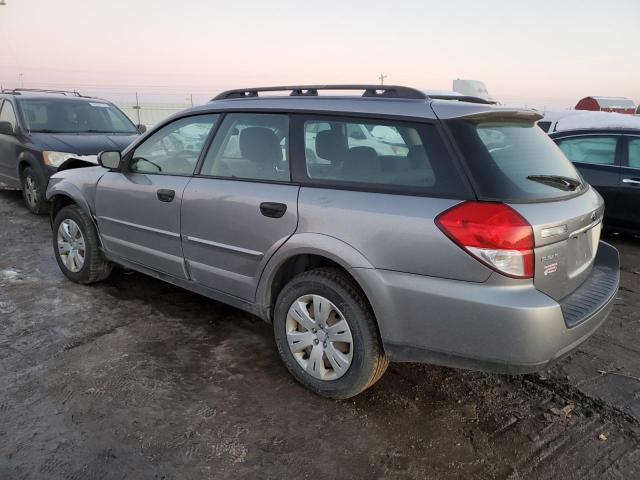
{"x":136,"y":379}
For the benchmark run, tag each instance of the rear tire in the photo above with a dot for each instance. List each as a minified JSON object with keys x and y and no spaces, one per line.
{"x":357,"y":342}
{"x":76,"y":247}
{"x":33,"y":191}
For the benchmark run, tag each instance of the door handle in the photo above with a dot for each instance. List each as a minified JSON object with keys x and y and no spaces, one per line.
{"x":165,"y":195}
{"x":273,"y":209}
{"x":631,"y":181}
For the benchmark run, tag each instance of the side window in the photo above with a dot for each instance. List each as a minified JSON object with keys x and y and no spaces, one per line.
{"x":634,"y":152}
{"x":7,"y":114}
{"x":175,"y":148}
{"x":371,"y":153}
{"x":597,"y":150}
{"x":250,"y":146}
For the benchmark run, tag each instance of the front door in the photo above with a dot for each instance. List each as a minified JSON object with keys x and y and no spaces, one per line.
{"x":138,"y":209}
{"x":8,"y":148}
{"x":241,"y":206}
{"x":630,"y":183}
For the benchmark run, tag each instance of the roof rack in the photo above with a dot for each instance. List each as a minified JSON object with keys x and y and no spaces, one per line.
{"x":18,"y":91}
{"x":463,"y":98}
{"x":385,"y":91}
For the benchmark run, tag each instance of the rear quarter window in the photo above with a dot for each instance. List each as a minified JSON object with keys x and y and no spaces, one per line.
{"x":505,"y":157}
{"x":380,"y":155}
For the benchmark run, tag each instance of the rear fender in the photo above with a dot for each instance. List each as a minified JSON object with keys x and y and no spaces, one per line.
{"x":306,"y":244}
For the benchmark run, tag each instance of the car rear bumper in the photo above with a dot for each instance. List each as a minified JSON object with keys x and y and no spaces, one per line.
{"x":493,"y":326}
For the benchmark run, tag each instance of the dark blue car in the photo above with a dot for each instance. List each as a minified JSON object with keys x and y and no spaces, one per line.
{"x":43,"y":131}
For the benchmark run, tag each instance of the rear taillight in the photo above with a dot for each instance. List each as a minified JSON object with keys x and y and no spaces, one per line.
{"x":492,"y":232}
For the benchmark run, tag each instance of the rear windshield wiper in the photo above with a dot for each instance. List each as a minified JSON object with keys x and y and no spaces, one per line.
{"x":563,"y":183}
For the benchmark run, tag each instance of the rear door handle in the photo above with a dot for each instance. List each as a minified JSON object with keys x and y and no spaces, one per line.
{"x":273,"y":209}
{"x":631,"y":181}
{"x":165,"y":195}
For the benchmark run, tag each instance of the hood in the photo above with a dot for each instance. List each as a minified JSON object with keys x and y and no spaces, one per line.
{"x":83,"y":143}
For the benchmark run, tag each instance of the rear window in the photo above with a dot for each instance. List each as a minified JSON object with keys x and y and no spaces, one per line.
{"x":382,"y":155}
{"x":515,"y":161}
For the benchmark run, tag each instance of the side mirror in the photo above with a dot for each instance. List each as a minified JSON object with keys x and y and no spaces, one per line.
{"x":6,"y":128}
{"x":110,"y":160}
{"x":141,"y":128}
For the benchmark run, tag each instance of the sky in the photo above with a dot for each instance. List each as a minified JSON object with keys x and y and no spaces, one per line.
{"x":540,"y":53}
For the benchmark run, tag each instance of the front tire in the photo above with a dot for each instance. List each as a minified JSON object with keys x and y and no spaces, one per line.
{"x":326,"y":334}
{"x":33,"y":192}
{"x":76,"y":247}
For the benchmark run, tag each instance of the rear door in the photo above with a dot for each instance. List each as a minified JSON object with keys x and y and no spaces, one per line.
{"x":630,"y":184}
{"x":241,"y":206}
{"x":598,"y":158}
{"x":138,"y":209}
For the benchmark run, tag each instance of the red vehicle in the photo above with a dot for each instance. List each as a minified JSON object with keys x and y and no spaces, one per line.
{"x":607,"y":104}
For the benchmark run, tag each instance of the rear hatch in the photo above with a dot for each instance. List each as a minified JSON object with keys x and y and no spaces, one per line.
{"x":510,"y":160}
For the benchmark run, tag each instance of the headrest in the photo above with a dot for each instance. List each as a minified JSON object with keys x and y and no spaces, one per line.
{"x":261,"y":145}
{"x":361,"y":161}
{"x":331,"y":145}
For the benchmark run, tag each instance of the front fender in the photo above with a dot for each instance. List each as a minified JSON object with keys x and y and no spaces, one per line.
{"x":27,"y":157}
{"x":306,"y":244}
{"x":60,"y":187}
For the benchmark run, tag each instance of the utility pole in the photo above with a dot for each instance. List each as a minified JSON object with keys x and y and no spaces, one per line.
{"x":381,"y":78}
{"x":21,"y":78}
{"x":137,"y":108}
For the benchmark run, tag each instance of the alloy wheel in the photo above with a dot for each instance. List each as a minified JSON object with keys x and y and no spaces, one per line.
{"x":31,"y":191}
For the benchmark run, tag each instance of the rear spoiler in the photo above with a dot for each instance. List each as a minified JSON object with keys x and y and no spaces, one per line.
{"x":503,"y":115}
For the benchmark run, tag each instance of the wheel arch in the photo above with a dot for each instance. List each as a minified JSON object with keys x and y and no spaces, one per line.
{"x":304,"y":252}
{"x":62,"y":194}
{"x":27,"y":159}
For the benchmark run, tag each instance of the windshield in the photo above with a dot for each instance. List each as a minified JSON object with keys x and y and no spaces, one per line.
{"x":515,"y":161}
{"x":74,"y":116}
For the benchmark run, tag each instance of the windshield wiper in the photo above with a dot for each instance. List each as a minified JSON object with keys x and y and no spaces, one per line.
{"x":103,"y":131}
{"x":48,"y":130}
{"x":558,"y":181}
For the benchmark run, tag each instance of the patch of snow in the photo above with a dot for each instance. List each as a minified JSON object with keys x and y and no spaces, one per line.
{"x":9,"y":275}
{"x":588,"y":120}
{"x":448,"y":93}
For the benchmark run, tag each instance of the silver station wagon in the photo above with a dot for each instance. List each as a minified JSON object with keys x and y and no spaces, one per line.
{"x":379,"y":225}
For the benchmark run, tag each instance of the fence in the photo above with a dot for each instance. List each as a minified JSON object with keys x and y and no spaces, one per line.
{"x":149,"y":114}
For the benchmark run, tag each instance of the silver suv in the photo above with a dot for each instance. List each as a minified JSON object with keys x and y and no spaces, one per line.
{"x":464,"y":238}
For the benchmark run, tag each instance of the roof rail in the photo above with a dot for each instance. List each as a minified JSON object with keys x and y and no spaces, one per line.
{"x":392,"y":91}
{"x":18,"y":91}
{"x":463,"y":98}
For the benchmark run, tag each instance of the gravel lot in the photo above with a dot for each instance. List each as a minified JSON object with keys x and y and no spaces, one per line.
{"x":134,"y":378}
